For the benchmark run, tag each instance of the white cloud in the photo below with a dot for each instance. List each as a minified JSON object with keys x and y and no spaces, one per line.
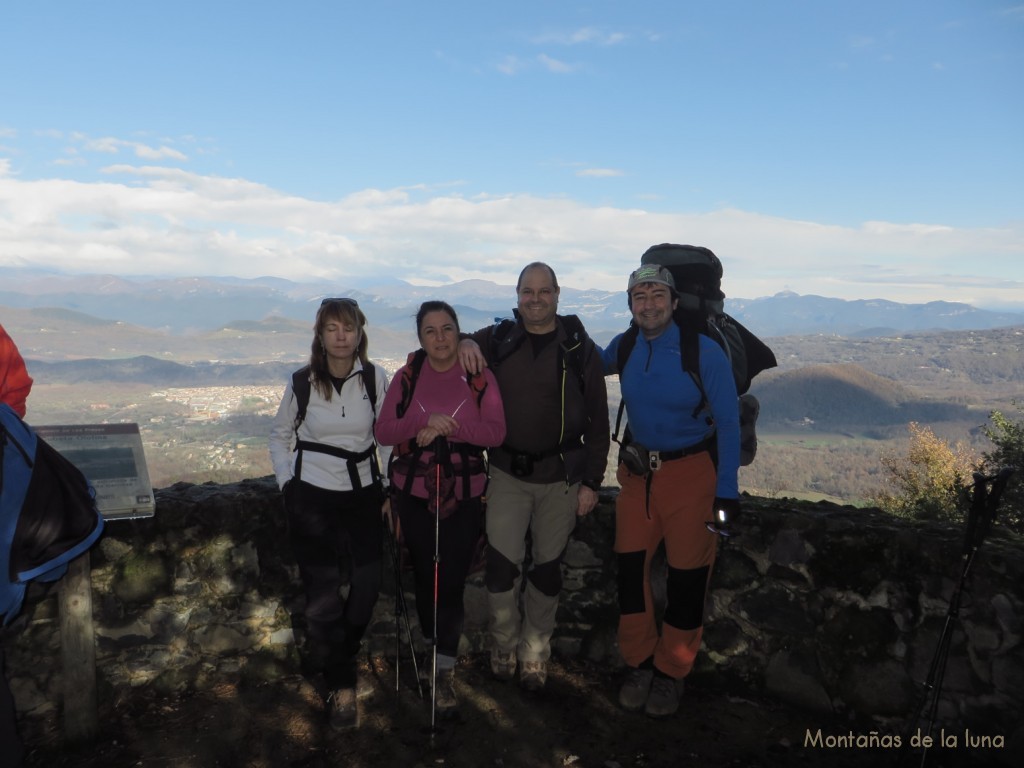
{"x":580,"y":36}
{"x":599,"y":172}
{"x":70,"y":160}
{"x":112,"y":146}
{"x":555,"y":65}
{"x":510,"y":65}
{"x":158,"y":153}
{"x":167,"y":221}
{"x":105,"y":145}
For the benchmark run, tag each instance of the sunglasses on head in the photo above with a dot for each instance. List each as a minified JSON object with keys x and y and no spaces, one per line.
{"x":350,"y":302}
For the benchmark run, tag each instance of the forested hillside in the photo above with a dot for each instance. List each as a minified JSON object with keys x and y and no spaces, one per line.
{"x":845,"y":397}
{"x":979,"y":367}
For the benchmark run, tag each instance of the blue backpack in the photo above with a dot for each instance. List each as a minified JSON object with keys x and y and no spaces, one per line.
{"x":48,"y":512}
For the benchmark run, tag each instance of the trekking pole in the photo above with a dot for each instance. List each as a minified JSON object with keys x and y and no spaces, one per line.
{"x":398,"y":629}
{"x":437,"y":561}
{"x":980,"y":517}
{"x":401,"y":611}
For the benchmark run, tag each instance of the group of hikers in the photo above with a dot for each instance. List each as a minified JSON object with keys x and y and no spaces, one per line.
{"x":506,"y":432}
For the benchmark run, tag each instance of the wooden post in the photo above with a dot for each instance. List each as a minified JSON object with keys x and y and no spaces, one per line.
{"x":78,"y":649}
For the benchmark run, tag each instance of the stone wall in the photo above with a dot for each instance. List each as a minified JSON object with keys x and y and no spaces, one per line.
{"x":824,"y":607}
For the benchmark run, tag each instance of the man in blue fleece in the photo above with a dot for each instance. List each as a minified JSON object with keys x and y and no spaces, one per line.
{"x":692,"y":437}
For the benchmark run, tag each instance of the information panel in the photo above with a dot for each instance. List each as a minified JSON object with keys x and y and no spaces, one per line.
{"x":111,"y":457}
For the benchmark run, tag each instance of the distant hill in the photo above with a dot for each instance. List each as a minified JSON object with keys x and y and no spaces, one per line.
{"x":47,"y":334}
{"x":845,"y":397}
{"x":158,"y":373}
{"x":789,"y":313}
{"x":200,"y":304}
{"x":981,"y":367}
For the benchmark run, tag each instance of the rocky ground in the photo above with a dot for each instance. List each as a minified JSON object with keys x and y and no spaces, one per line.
{"x":574,"y":722}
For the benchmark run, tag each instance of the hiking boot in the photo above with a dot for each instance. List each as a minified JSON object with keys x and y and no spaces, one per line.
{"x":634,"y":692}
{"x":341,"y":708}
{"x":503,"y":665}
{"x":663,"y":700}
{"x":533,"y":675}
{"x":446,"y":703}
{"x":364,"y":687}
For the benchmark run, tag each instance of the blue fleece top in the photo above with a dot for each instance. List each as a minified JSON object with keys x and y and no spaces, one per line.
{"x":660,"y":398}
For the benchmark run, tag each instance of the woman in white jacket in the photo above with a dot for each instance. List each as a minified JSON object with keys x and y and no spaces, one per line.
{"x":325,"y":459}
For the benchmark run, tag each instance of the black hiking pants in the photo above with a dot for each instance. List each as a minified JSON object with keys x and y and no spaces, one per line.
{"x":458,"y":536}
{"x":336,"y":540}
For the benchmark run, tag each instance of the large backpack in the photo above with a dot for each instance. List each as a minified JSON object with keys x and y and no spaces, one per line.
{"x":697,"y":273}
{"x":301,"y":388}
{"x":48,"y":512}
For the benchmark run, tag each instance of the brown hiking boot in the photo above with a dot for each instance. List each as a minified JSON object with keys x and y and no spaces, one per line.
{"x":533,"y":675}
{"x":447,"y":703}
{"x":341,"y":709}
{"x":503,"y":665}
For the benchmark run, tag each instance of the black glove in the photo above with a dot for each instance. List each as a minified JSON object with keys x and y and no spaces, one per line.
{"x":724,"y":514}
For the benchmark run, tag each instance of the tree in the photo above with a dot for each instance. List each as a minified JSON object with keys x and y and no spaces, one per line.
{"x":931,"y":481}
{"x":1008,"y":438}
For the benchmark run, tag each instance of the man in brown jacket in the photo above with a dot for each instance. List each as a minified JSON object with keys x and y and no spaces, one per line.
{"x":547,"y":472}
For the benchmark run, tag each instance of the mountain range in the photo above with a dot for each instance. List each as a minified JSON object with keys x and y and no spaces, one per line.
{"x":208,"y":305}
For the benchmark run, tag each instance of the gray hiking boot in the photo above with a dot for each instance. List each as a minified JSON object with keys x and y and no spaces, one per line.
{"x":634,"y":692}
{"x":663,"y":700}
{"x":503,"y":665}
{"x":533,"y":675}
{"x":341,"y":708}
{"x":446,"y":703}
{"x":364,"y":687}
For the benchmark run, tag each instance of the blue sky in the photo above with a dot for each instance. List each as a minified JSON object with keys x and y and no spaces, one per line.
{"x":857,"y":149}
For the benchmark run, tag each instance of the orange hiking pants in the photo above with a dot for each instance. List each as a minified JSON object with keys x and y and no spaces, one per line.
{"x":682,"y":493}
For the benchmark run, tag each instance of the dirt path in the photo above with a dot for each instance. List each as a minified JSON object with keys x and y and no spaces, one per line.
{"x":574,"y":722}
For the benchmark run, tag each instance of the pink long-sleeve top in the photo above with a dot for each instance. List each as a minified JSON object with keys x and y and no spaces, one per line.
{"x":450,"y":394}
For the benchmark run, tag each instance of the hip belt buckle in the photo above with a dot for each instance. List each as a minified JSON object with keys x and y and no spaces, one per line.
{"x":655,"y":461}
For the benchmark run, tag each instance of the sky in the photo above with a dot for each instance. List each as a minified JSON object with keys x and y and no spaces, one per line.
{"x":856,"y":149}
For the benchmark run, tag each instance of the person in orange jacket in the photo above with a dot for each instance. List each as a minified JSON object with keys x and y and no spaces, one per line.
{"x":15,"y":382}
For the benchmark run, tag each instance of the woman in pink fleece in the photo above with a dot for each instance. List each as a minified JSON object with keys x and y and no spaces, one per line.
{"x":440,"y":420}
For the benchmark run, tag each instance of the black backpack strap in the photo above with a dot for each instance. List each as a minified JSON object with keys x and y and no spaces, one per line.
{"x":624,"y":350}
{"x":414,"y":460}
{"x":352,"y":459}
{"x":477,"y":386}
{"x":369,"y":374}
{"x":466,"y":452}
{"x":571,"y":352}
{"x":505,"y":338}
{"x":689,"y":348}
{"x":301,"y":389}
{"x":409,"y":376}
